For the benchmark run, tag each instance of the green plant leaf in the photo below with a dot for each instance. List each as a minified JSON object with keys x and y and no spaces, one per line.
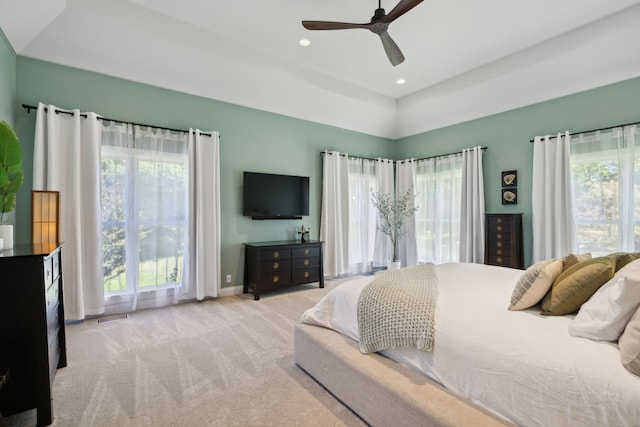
{"x":11,"y":173}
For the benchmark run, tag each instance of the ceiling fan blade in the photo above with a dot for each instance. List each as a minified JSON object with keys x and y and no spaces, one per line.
{"x":391,"y":48}
{"x":401,"y":8}
{"x":325,"y":25}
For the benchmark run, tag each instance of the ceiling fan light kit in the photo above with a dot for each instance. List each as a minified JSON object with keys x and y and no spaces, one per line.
{"x":378,"y":25}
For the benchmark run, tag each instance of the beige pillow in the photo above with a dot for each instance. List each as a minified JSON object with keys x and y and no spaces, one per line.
{"x":534,"y":283}
{"x":576,"y":285}
{"x":629,"y":344}
{"x":573,"y":259}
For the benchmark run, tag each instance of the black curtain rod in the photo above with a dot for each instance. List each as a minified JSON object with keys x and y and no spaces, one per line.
{"x":355,"y":157}
{"x":31,"y":107}
{"x":397,"y":161}
{"x":439,"y":155}
{"x":594,"y":130}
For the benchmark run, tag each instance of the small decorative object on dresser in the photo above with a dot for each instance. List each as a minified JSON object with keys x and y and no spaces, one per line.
{"x":304,"y":234}
{"x":503,"y":240}
{"x":270,"y":266}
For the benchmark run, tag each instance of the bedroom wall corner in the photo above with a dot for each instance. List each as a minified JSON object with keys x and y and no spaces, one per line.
{"x":507,"y":137}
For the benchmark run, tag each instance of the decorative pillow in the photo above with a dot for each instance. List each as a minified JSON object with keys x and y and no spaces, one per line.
{"x":576,"y":285}
{"x":630,"y":268}
{"x":573,"y":259}
{"x":608,"y":311}
{"x":534,"y":283}
{"x":624,"y":258}
{"x":629,"y":345}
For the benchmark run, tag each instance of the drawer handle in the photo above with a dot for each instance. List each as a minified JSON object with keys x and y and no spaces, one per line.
{"x":499,"y":252}
{"x":499,"y":220}
{"x":306,"y":262}
{"x":499,"y":259}
{"x":306,"y":274}
{"x":276,"y":254}
{"x":306,"y":251}
{"x":276,"y":279}
{"x":276,"y":265}
{"x":499,"y":228}
{"x":499,"y":244}
{"x":498,"y":236}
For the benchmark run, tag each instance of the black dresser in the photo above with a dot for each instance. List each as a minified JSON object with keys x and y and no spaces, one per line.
{"x":503,"y":240}
{"x":32,"y":336}
{"x":271,"y":266}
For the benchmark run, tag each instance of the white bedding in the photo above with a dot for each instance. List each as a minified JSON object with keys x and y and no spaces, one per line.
{"x":519,"y":364}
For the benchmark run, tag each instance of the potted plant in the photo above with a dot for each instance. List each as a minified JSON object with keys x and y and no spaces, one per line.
{"x":394,"y":212}
{"x":11,"y":179}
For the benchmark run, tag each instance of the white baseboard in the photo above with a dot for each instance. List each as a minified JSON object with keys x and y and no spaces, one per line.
{"x":230,"y":290}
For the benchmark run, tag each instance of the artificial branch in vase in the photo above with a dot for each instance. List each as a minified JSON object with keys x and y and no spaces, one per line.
{"x":394,"y":212}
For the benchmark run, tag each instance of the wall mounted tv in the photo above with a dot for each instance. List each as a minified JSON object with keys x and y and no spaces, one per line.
{"x":271,"y":196}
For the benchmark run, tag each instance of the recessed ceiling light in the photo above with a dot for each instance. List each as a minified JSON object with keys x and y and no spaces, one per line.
{"x":304,"y":42}
{"x":401,"y":81}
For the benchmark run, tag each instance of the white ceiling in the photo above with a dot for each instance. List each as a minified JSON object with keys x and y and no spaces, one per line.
{"x":464,"y":58}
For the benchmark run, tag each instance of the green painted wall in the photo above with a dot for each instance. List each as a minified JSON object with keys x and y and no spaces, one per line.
{"x":7,"y":91}
{"x":7,"y":79}
{"x":259,"y":141}
{"x":251,"y":140}
{"x":507,"y":137}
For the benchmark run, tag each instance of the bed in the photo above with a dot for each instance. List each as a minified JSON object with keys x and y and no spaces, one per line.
{"x":489,"y":365}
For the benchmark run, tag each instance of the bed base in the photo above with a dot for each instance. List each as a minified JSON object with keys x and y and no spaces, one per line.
{"x":381,"y":391}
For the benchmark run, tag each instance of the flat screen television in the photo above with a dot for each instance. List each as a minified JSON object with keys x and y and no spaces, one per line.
{"x":272,"y":196}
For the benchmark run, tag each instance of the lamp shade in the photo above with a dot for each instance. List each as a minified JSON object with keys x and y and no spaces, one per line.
{"x":45,"y":216}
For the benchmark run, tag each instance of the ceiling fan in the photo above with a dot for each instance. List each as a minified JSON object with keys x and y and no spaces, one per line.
{"x":379,"y":24}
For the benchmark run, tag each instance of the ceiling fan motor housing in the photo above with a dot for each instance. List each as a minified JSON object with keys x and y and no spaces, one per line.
{"x":379,"y":14}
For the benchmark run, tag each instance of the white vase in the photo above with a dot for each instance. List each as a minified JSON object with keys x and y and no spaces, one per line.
{"x":394,"y":265}
{"x":6,"y":234}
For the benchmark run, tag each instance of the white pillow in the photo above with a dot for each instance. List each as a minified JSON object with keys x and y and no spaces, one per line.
{"x":534,"y":284}
{"x":604,"y":316}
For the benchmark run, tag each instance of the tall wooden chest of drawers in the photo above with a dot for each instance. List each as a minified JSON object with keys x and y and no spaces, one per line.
{"x":271,"y":266}
{"x":503,"y":240}
{"x":32,"y":336}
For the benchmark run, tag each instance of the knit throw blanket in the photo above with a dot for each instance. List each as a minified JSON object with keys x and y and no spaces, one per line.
{"x":397,"y":309}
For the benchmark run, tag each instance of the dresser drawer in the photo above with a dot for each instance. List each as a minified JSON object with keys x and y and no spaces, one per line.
{"x":52,"y":295}
{"x":306,"y":275}
{"x":275,"y":254}
{"x":48,"y":271}
{"x":53,"y":324}
{"x":276,"y":265}
{"x":306,"y":262}
{"x":282,"y":278}
{"x":312,"y":251}
{"x":55,"y":261}
{"x":54,"y":357}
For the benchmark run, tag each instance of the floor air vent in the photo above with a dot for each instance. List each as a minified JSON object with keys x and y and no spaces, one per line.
{"x":112,"y":318}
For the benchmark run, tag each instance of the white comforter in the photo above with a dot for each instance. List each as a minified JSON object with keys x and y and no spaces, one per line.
{"x":520,"y":365}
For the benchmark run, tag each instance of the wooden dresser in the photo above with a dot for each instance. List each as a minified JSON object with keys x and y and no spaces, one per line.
{"x":32,"y":336}
{"x":271,"y":266}
{"x":503,"y":240}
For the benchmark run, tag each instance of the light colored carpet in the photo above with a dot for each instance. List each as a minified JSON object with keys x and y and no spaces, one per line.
{"x":224,"y":362}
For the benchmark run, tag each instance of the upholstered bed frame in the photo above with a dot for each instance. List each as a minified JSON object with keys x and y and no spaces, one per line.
{"x":379,"y":390}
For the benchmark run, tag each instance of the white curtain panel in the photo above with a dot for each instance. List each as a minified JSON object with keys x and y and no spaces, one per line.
{"x":202,"y":259}
{"x":362,"y":214}
{"x":438,"y":193}
{"x":334,"y":217}
{"x":67,"y":159}
{"x":472,"y":207}
{"x":382,"y":249}
{"x":552,"y":199}
{"x":406,"y":181}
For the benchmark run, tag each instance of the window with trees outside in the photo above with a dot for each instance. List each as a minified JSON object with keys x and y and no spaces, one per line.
{"x":605,"y":173}
{"x":144,"y":210}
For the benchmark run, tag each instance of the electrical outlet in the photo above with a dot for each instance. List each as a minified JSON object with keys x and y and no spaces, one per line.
{"x":228,"y":278}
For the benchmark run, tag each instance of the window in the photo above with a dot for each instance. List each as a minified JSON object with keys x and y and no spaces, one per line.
{"x":605,"y":174}
{"x":144,"y":209}
{"x":438,"y":193}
